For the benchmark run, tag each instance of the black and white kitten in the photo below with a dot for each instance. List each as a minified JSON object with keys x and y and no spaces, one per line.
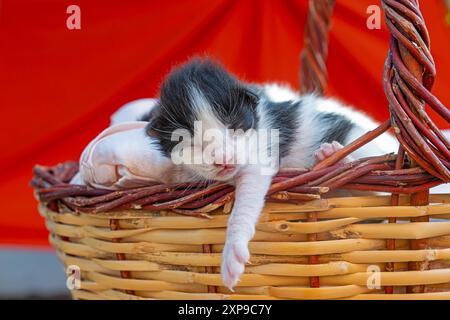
{"x":308,"y":129}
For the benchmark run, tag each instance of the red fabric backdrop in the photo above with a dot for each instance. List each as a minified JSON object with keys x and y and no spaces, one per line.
{"x":59,"y":86}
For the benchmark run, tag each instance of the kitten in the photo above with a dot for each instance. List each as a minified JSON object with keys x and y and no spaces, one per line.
{"x":200,"y":97}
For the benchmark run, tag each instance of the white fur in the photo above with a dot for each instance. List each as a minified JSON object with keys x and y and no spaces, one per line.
{"x":210,"y":124}
{"x":133,"y":111}
{"x":279,"y":93}
{"x":251,"y":188}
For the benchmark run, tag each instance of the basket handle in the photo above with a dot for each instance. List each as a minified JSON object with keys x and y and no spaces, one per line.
{"x":313,"y":71}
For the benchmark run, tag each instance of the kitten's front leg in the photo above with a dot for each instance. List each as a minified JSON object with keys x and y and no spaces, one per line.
{"x":251,"y":189}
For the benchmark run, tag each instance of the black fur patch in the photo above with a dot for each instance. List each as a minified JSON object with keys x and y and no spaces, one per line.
{"x":232,"y":102}
{"x":285,"y":117}
{"x":338,"y":127}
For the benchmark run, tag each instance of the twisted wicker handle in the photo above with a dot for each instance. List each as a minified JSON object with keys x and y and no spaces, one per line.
{"x":408,"y":77}
{"x":313,"y":73}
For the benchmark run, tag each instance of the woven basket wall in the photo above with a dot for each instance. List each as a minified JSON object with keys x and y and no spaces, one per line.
{"x":136,"y":255}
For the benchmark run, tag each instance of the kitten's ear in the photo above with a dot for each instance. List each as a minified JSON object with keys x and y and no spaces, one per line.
{"x":154,"y":121}
{"x":155,"y":112}
{"x":248,"y":96}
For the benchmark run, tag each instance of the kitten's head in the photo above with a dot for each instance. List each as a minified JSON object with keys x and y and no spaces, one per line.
{"x":204,"y":101}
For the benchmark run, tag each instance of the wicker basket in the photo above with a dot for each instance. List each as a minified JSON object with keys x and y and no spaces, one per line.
{"x":165,"y":242}
{"x":161,"y":255}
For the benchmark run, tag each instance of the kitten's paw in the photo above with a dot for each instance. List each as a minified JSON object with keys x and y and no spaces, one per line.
{"x":234,"y":257}
{"x":328,"y":149}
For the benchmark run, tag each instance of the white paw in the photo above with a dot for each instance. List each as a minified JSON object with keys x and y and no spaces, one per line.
{"x":326,"y":150}
{"x":234,"y":257}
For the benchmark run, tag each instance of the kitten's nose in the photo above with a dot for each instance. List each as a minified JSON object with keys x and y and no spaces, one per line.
{"x":224,"y":165}
{"x":223,"y":160}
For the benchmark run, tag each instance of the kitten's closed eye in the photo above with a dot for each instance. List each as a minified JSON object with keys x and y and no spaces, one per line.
{"x":243,"y":115}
